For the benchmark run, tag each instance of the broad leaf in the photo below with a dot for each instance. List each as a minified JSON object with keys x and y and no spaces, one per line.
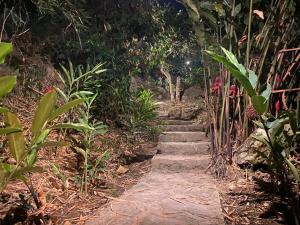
{"x":260,"y":104}
{"x":267,"y":92}
{"x":16,"y":140}
{"x":293,"y":121}
{"x":7,"y":83}
{"x":28,"y":169}
{"x":3,"y":110}
{"x":65,"y":108}
{"x":44,"y":110}
{"x":5,"y":49}
{"x":9,"y":130}
{"x":75,"y":126}
{"x":293,"y":169}
{"x":252,"y":78}
{"x":235,"y":72}
{"x":31,"y":158}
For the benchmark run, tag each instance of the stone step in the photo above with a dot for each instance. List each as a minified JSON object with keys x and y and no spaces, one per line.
{"x":175,"y":163}
{"x":174,"y":136}
{"x":177,"y":122}
{"x":183,"y":148}
{"x":184,"y":128}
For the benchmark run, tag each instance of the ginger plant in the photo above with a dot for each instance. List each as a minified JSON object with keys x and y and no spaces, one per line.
{"x":25,"y":150}
{"x":282,"y":132}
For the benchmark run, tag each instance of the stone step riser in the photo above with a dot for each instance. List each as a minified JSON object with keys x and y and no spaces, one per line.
{"x":177,"y":122}
{"x":185,"y":148}
{"x":183,"y":128}
{"x":182,"y":137}
{"x":164,"y":164}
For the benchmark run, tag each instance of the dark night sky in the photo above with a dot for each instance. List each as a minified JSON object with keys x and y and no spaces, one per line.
{"x":174,"y":3}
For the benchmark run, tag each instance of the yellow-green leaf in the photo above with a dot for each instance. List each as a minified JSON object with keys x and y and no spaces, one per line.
{"x":44,"y":110}
{"x":16,"y":140}
{"x":260,"y":104}
{"x":9,"y":130}
{"x":65,"y":108}
{"x":7,"y":83}
{"x":5,"y":49}
{"x":3,"y":110}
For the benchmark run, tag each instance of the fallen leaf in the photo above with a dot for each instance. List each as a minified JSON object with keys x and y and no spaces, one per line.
{"x":122,"y":170}
{"x":259,"y":13}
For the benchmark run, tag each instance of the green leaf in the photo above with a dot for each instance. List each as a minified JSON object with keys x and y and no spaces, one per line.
{"x":260,"y":104}
{"x":5,"y":49}
{"x":231,"y":57}
{"x":9,"y":130}
{"x":44,"y":110}
{"x":267,"y":92}
{"x":277,"y":126}
{"x":65,"y":108}
{"x":31,"y":158}
{"x":7,"y":83}
{"x":293,"y":121}
{"x":16,"y":140}
{"x":61,"y":93}
{"x":3,"y":110}
{"x":76,"y":126}
{"x":235,"y":72}
{"x":237,"y":10}
{"x":42,"y":137}
{"x":28,"y":169}
{"x":293,"y":169}
{"x":252,"y":78}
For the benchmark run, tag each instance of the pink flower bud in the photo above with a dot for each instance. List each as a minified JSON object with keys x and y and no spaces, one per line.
{"x":277,"y":106}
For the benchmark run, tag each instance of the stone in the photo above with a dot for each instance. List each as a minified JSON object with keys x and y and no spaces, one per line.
{"x":182,"y":136}
{"x":122,"y":170}
{"x":174,"y":113}
{"x":247,"y":153}
{"x":189,"y":113}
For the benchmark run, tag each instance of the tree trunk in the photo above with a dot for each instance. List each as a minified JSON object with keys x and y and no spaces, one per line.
{"x":169,"y":79}
{"x":178,"y":89}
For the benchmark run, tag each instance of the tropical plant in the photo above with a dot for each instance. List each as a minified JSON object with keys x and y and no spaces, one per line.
{"x":88,"y":138}
{"x":141,"y":112}
{"x":279,"y":138}
{"x":25,"y":151}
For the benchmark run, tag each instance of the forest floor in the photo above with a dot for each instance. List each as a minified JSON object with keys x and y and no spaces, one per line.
{"x":59,"y":189}
{"x":248,"y":198}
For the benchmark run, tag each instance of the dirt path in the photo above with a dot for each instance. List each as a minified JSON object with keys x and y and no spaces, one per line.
{"x":176,"y":192}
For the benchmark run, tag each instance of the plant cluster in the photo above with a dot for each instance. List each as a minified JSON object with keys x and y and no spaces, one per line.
{"x":282,"y":133}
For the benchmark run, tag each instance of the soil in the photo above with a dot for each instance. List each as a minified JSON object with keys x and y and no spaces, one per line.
{"x":248,"y":197}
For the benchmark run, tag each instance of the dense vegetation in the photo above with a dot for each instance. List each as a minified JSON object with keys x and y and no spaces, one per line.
{"x":79,"y":60}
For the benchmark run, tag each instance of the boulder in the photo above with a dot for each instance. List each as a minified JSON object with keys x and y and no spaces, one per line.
{"x":189,"y":113}
{"x":249,"y":152}
{"x":174,"y":113}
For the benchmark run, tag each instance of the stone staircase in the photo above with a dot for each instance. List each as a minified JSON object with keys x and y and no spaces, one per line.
{"x":177,"y":191}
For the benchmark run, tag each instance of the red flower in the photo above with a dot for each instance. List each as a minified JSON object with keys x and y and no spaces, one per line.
{"x":48,"y":89}
{"x":277,"y":106}
{"x":278,"y":79}
{"x":233,"y":90}
{"x":216,"y":86}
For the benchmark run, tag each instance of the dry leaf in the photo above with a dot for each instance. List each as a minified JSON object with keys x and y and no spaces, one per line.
{"x":42,"y":197}
{"x":259,"y":13}
{"x":122,"y":170}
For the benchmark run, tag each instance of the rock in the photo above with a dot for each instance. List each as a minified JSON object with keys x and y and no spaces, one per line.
{"x":174,"y":113}
{"x":248,"y":152}
{"x":183,"y":112}
{"x":189,"y":113}
{"x":122,"y":170}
